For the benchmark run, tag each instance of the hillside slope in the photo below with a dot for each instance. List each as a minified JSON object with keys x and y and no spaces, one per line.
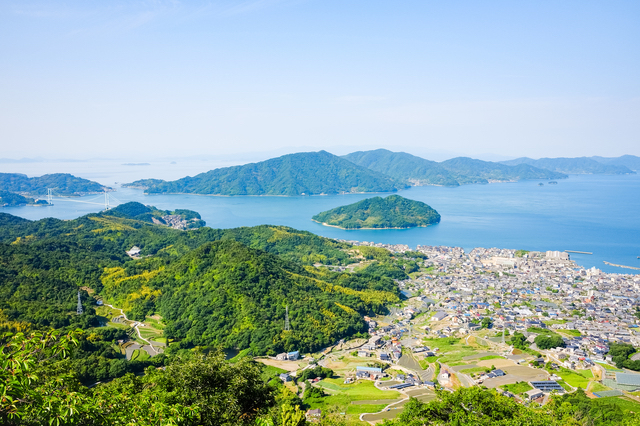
{"x":453,"y":172}
{"x":61,"y":183}
{"x":393,"y":211}
{"x":581,"y":165}
{"x":306,"y":173}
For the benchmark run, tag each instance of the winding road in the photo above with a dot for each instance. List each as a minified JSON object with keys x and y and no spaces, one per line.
{"x":135,"y":327}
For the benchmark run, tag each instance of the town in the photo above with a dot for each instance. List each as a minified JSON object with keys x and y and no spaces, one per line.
{"x":528,"y":324}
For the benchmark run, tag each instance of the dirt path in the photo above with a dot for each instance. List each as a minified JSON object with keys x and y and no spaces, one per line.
{"x":135,"y":327}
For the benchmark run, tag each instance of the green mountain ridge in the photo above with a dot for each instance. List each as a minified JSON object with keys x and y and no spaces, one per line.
{"x":213,"y":287}
{"x":454,"y":172}
{"x":393,"y":211}
{"x":306,"y":173}
{"x":62,"y":183}
{"x":579,"y":165}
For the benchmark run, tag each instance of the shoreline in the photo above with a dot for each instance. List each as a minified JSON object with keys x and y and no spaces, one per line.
{"x":366,"y":229}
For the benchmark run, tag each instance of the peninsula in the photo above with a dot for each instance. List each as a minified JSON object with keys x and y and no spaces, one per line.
{"x":391,"y":212}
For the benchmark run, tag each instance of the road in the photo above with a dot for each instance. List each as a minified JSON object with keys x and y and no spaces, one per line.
{"x":135,"y":327}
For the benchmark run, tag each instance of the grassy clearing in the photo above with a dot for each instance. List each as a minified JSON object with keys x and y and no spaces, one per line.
{"x":517,"y":388}
{"x":139,"y":355}
{"x":485,"y":358}
{"x":364,"y":408}
{"x":573,"y":333}
{"x":269,"y":372}
{"x":552,"y":322}
{"x":626,"y":404}
{"x":473,"y":370}
{"x":598,"y":387}
{"x":451,"y":349}
{"x":609,"y":367}
{"x":342,"y":395}
{"x":579,"y":379}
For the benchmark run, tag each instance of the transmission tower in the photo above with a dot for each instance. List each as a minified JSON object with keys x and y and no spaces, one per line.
{"x":79,"y":305}
{"x":287,"y":326}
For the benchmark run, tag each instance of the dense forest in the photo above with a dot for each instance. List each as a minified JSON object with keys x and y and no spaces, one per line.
{"x":393,"y":211}
{"x":306,"y":173}
{"x":61,"y":183}
{"x":212,"y":287}
{"x":454,"y":172}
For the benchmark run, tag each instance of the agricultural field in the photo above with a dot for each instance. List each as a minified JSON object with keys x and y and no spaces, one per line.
{"x":598,"y":387}
{"x":517,"y":388}
{"x":354,"y":398}
{"x":577,"y":379}
{"x":452,"y":349}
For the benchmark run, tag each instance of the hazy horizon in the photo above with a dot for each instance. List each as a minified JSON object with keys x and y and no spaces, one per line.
{"x":246,"y":79}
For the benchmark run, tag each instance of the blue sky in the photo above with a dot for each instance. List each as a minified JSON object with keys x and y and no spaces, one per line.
{"x":163,"y":78}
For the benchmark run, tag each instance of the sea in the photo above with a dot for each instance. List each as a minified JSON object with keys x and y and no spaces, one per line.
{"x":599,"y":214}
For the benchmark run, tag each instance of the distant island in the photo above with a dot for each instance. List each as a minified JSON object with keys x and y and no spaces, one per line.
{"x":178,"y":219}
{"x":305,"y":173}
{"x":417,"y":171}
{"x":391,"y":212}
{"x":581,"y":165}
{"x":62,"y":184}
{"x":9,"y":199}
{"x":143,"y":183}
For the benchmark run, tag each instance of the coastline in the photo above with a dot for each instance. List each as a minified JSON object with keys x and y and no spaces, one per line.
{"x":365,"y":229}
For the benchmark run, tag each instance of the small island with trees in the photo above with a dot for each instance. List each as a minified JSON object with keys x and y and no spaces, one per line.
{"x":391,"y":212}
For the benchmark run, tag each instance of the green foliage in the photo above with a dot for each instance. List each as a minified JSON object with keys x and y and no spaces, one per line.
{"x":468,"y":406}
{"x":62,"y":183}
{"x":393,"y":211}
{"x":38,"y":389}
{"x":548,"y":341}
{"x":620,"y":352}
{"x":138,"y":211}
{"x":312,"y":373}
{"x":582,"y":165}
{"x":307,"y":173}
{"x":519,"y":341}
{"x":521,"y":253}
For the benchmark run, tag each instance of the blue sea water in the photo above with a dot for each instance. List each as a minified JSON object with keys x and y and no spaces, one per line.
{"x":592,"y":213}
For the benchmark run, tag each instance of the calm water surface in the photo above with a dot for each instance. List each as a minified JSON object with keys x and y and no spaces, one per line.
{"x":598,"y":214}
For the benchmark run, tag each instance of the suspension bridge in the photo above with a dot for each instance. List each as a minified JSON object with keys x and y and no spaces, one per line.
{"x":107,"y":200}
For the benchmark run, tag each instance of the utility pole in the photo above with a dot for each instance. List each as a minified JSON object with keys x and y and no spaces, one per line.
{"x":79,"y":305}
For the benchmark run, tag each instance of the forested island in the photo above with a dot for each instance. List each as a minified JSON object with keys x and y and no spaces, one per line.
{"x":454,"y":172}
{"x":62,"y":184}
{"x":305,"y":173}
{"x":10,"y":199}
{"x":393,"y":211}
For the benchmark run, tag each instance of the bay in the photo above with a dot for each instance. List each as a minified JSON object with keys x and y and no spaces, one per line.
{"x":591,"y":213}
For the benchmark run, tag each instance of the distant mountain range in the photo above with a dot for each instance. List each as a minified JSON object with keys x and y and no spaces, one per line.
{"x":380,"y":170}
{"x":306,"y":173}
{"x":61,"y":183}
{"x":582,"y":165}
{"x":456,"y":171}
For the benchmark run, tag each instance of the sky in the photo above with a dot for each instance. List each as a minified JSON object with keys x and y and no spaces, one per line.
{"x":490,"y":79}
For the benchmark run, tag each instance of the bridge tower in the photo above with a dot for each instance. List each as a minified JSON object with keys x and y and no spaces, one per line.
{"x":106,"y":200}
{"x":50,"y":196}
{"x":79,"y":305}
